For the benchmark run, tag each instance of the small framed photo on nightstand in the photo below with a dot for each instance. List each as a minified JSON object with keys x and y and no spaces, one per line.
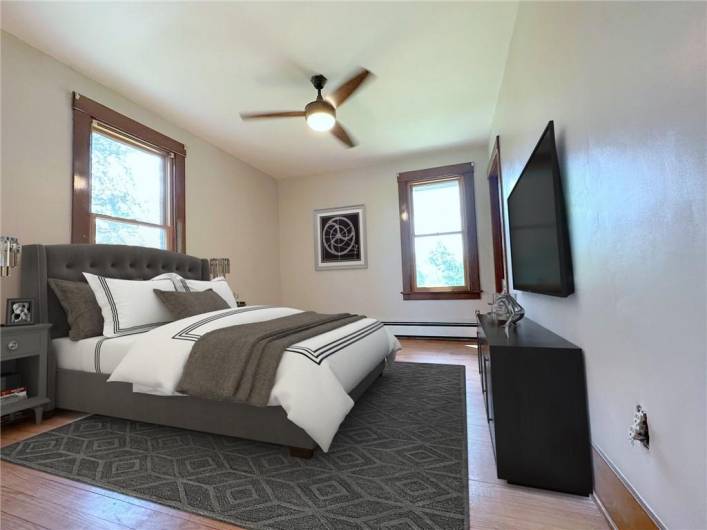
{"x":19,"y":312}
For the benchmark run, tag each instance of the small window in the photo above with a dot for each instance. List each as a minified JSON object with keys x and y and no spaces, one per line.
{"x":129,"y":192}
{"x":130,"y":183}
{"x":438,"y":229}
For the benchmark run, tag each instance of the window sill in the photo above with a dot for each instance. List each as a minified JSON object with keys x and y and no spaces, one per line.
{"x":448,"y":295}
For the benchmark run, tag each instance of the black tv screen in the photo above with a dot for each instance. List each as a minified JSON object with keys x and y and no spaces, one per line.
{"x":539,"y":239}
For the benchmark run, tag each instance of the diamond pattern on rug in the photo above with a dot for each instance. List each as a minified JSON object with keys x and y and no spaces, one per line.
{"x":398,"y":462}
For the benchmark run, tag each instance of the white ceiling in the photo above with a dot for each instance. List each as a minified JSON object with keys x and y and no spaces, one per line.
{"x":438,"y":68}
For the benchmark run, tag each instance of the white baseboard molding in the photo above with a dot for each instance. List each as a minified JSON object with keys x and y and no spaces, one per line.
{"x":442,"y":330}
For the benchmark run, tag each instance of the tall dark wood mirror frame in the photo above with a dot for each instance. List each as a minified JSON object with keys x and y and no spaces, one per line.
{"x":498,"y":232}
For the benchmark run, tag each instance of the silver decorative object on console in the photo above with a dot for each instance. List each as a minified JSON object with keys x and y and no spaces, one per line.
{"x":219,"y":267}
{"x":499,"y":312}
{"x":507,"y":308}
{"x":10,"y":250}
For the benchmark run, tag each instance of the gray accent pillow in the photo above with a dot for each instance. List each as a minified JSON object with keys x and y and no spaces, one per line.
{"x":183,"y":305}
{"x":82,"y":311}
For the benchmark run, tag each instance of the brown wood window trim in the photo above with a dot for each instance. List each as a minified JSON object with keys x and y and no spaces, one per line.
{"x":85,"y":113}
{"x":465,"y":174}
{"x":497,"y":234}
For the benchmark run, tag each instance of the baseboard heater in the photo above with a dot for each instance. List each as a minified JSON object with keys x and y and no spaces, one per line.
{"x":436,"y":330}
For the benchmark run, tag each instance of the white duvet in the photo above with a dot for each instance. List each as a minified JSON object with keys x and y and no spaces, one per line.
{"x":312,"y":380}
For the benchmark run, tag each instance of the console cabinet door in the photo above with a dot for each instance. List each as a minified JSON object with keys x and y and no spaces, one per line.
{"x":485,"y":354}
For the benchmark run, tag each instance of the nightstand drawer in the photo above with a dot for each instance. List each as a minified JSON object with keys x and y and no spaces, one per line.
{"x":14,"y":344}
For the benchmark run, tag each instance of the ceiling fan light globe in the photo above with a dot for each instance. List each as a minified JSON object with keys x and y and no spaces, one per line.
{"x":320,"y":121}
{"x":320,"y":115}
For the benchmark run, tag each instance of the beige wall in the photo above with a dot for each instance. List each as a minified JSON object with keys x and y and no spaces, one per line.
{"x":625,"y":84}
{"x":374,"y":291}
{"x":231,"y":207}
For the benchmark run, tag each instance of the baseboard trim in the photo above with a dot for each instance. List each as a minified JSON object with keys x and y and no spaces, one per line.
{"x":435,"y":337}
{"x":617,"y":499}
{"x":603,"y":511}
{"x":433,"y":330}
{"x":435,"y":324}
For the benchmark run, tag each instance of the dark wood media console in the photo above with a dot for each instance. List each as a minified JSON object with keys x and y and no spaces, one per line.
{"x":536,"y":404}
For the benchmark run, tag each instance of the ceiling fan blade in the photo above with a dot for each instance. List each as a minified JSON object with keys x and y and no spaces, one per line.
{"x":265,"y":115}
{"x":345,"y":90}
{"x":342,"y":135}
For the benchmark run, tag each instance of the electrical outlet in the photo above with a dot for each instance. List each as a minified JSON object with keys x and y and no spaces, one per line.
{"x":638,"y":432}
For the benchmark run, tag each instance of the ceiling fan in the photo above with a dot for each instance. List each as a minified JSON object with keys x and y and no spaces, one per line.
{"x":320,"y":114}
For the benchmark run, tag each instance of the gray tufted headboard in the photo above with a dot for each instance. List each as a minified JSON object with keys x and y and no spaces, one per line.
{"x":68,"y":262}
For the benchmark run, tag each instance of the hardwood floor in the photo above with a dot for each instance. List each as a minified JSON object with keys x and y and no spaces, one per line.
{"x":493,"y":503}
{"x":34,"y":500}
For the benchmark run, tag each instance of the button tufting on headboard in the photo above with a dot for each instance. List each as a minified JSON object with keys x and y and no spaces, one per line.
{"x":68,"y":262}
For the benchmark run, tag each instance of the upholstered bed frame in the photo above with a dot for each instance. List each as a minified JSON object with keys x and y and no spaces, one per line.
{"x":89,"y":392}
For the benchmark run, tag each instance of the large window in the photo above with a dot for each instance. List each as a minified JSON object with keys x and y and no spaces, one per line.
{"x":438,"y":230}
{"x":128,"y":181}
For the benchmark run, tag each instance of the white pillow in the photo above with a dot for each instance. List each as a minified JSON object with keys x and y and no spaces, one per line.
{"x":218,"y":285}
{"x":129,"y":306}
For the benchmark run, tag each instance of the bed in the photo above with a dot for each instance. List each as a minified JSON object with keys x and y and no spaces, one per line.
{"x":78,"y":371}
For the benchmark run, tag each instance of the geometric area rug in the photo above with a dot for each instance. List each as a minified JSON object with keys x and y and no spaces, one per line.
{"x":399,"y":461}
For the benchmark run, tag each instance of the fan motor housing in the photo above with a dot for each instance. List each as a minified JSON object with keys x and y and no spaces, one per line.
{"x":319,"y":105}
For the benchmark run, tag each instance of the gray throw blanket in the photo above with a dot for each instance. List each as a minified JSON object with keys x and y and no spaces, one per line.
{"x":240,"y":362}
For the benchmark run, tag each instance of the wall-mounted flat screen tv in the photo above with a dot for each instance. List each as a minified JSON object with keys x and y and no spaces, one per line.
{"x":539,"y":239}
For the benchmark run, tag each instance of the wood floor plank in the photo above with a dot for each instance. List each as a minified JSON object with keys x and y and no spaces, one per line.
{"x":93,"y":503}
{"x":129,"y":502}
{"x":51,"y":515}
{"x":10,"y":521}
{"x":506,"y":506}
{"x":43,"y":501}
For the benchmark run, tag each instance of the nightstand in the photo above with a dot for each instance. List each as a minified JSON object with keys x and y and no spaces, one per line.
{"x":24,"y":352}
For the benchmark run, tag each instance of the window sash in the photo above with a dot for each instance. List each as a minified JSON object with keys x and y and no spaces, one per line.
{"x":125,"y":220}
{"x":462,"y":232}
{"x":422,"y":183}
{"x":166,"y":228}
{"x":166,"y":191}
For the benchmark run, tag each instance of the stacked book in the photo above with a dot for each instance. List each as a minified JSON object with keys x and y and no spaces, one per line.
{"x":12,"y":395}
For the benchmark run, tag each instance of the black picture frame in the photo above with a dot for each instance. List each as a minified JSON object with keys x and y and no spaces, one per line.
{"x":19,"y":316}
{"x":340,"y":238}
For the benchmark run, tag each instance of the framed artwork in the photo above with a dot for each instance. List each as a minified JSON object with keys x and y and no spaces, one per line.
{"x":19,"y":311}
{"x":340,"y":238}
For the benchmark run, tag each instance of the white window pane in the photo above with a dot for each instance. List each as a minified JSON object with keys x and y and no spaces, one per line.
{"x":436,"y":207}
{"x":117,"y":233}
{"x":126,"y":181}
{"x":439,"y":261}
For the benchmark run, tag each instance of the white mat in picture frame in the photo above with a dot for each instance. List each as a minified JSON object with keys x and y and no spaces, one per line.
{"x":340,"y":238}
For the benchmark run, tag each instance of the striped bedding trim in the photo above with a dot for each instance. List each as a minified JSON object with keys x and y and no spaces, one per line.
{"x":99,"y":345}
{"x":316,"y":355}
{"x":114,"y":313}
{"x":180,"y":284}
{"x":322,"y":352}
{"x":189,"y":333}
